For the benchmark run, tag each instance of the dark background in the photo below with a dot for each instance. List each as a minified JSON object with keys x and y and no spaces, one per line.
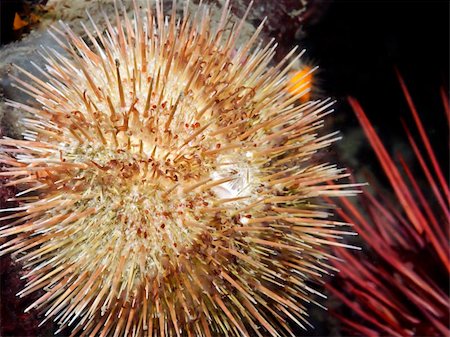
{"x":357,"y":45}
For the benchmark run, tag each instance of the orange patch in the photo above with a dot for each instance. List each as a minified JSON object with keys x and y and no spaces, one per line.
{"x":18,"y":22}
{"x":301,"y":81}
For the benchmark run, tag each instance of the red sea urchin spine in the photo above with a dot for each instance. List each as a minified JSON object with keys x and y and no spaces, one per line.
{"x":169,"y":185}
{"x":401,"y":287}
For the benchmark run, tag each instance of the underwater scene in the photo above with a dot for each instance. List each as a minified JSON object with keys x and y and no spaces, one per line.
{"x":186,"y":168}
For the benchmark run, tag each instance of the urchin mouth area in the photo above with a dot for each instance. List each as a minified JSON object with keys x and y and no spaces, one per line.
{"x":243,"y":174}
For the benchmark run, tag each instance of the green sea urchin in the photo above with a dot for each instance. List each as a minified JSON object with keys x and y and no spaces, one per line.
{"x":167,"y":182}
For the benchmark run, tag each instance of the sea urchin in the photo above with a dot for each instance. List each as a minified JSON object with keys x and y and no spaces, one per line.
{"x":167,"y":182}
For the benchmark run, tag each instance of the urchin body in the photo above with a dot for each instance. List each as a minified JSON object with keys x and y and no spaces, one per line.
{"x":167,"y":183}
